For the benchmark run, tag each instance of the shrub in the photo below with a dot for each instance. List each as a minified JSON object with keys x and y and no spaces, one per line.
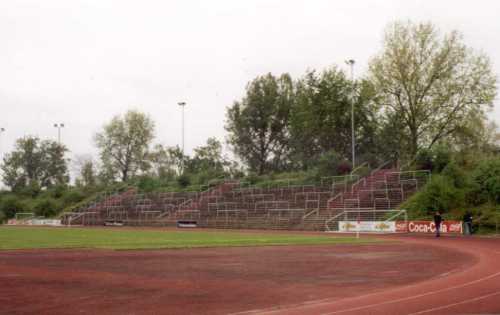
{"x":331,"y":163}
{"x":184,"y":180}
{"x":344,"y":167}
{"x":441,"y":157}
{"x":72,"y":197}
{"x":434,"y":160}
{"x":11,"y":205}
{"x":423,"y":160}
{"x":487,"y":178}
{"x":47,"y":207}
{"x":32,"y":190}
{"x":3,"y":217}
{"x":439,"y":194}
{"x":148,"y":184}
{"x":58,"y":191}
{"x":251,"y":178}
{"x":456,"y":174}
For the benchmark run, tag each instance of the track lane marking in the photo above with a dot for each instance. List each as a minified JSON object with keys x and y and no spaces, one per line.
{"x":415,"y":296}
{"x":482,"y":297}
{"x":328,"y":301}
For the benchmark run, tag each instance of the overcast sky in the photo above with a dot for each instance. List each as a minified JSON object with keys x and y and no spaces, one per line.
{"x":82,"y":62}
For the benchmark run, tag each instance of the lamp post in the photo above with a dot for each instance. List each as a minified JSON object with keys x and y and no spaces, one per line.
{"x":351,"y":62}
{"x":2,"y":130}
{"x":59,"y":126}
{"x":182,"y":105}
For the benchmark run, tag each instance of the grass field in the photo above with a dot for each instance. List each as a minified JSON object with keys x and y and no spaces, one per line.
{"x":34,"y":237}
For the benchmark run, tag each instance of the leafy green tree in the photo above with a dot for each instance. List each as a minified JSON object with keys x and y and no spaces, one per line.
{"x":11,"y":205}
{"x":321,"y":116}
{"x":166,"y":162}
{"x":487,"y":176}
{"x":35,"y":163}
{"x":124,"y":143}
{"x":331,"y":163}
{"x":47,"y":207}
{"x":208,"y":157}
{"x":389,"y":145}
{"x":88,"y":174}
{"x":439,"y":194}
{"x":258,"y":124}
{"x":435,"y":83}
{"x":85,"y":167}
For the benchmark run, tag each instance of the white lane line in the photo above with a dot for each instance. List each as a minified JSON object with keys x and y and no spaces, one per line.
{"x":333,"y":301}
{"x":415,"y":296}
{"x":456,"y":304}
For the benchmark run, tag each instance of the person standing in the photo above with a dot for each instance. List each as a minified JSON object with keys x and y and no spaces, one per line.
{"x":467,"y":223}
{"x":437,"y":222}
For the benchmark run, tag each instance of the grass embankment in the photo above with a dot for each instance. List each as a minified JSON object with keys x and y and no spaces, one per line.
{"x":100,"y":238}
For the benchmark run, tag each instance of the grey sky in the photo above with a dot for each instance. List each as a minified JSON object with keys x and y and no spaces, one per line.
{"x":82,"y":62}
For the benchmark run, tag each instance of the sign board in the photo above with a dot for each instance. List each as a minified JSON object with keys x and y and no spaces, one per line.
{"x":51,"y":222}
{"x":428,"y":227}
{"x":187,"y":224}
{"x":367,"y":226}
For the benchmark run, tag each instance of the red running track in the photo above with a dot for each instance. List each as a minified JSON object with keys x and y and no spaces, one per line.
{"x":475,"y":290}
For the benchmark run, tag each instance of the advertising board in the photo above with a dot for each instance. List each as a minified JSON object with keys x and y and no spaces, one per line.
{"x":367,"y":226}
{"x":428,"y":226}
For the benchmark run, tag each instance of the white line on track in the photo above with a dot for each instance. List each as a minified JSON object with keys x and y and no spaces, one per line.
{"x":456,"y":304}
{"x":415,"y":296}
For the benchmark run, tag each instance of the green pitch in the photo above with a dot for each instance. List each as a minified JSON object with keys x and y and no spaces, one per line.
{"x":123,"y":238}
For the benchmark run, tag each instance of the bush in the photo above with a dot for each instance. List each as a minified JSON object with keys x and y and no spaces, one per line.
{"x":344,"y":167}
{"x":58,"y":191}
{"x":331,"y":164}
{"x":3,"y":217}
{"x":184,"y":180}
{"x":439,"y":194}
{"x":47,"y":207}
{"x":72,"y":197}
{"x":487,"y":178}
{"x":423,"y":160}
{"x":148,"y":184}
{"x":456,"y":174}
{"x":32,"y":190}
{"x":441,"y":157}
{"x":11,"y":205}
{"x":434,"y":160}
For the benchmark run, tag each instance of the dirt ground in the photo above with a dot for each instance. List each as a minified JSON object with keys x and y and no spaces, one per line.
{"x":211,"y":280}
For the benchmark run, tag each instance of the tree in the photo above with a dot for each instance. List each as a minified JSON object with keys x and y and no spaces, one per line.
{"x":433,"y":82}
{"x":166,"y":162}
{"x":124,"y":143}
{"x":35,"y":163}
{"x":258,"y":124}
{"x":321,"y":116}
{"x":208,"y":158}
{"x":86,"y":170}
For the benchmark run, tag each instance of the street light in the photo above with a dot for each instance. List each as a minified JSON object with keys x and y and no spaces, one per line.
{"x":59,"y":126}
{"x":182,"y":104}
{"x":351,"y":62}
{"x":2,"y":130}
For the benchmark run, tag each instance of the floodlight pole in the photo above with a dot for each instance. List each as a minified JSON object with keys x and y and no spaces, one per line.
{"x":351,"y":62}
{"x":182,"y":104}
{"x":59,"y":126}
{"x":2,"y":130}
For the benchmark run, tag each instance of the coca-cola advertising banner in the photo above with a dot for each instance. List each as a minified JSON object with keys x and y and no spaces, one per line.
{"x":428,"y":227}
